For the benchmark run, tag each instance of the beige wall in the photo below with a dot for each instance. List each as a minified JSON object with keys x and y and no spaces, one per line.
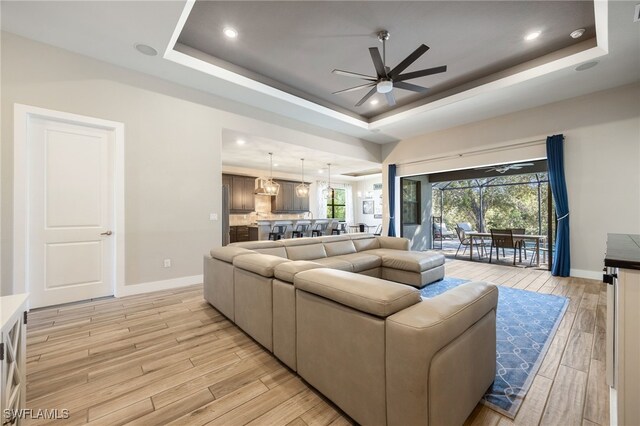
{"x":602,"y":161}
{"x":172,"y":151}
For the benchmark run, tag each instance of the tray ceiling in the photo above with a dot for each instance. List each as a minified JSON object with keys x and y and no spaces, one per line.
{"x":294,"y":46}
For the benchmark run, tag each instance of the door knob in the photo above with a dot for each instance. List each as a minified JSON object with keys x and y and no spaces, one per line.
{"x":107,"y":233}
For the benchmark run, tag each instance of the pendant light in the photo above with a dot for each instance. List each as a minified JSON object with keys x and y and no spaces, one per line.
{"x":271,"y":188}
{"x":329,"y":191}
{"x":302,"y":190}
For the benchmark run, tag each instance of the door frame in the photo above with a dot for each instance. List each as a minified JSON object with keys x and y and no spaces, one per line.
{"x":21,"y":115}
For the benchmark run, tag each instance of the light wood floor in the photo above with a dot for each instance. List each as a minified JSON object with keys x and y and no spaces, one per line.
{"x":170,"y":357}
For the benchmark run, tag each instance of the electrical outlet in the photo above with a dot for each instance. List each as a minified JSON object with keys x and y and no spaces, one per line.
{"x":213,"y":216}
{"x":167,"y":263}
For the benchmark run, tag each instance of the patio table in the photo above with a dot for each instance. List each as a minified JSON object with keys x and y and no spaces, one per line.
{"x":537,"y":238}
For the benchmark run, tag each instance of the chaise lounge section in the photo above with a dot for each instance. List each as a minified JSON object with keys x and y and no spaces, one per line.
{"x":289,"y":294}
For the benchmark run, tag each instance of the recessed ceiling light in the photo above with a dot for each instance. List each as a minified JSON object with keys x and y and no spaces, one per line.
{"x":276,"y":165}
{"x":374,"y":102}
{"x":241,"y":142}
{"x":586,"y":66}
{"x":230,"y":32}
{"x":320,"y":171}
{"x":145,"y":49}
{"x":577,"y":33}
{"x":532,"y":36}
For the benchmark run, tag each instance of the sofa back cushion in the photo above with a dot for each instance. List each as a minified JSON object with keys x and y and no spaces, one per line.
{"x":274,"y":251}
{"x":363,"y":244}
{"x":339,"y":248}
{"x":254,"y":245}
{"x":306,"y":252}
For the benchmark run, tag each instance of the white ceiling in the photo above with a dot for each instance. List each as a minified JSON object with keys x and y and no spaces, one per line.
{"x":108,"y":31}
{"x":254,"y":154}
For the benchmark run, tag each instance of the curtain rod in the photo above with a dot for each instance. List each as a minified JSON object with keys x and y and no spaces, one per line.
{"x":479,"y":151}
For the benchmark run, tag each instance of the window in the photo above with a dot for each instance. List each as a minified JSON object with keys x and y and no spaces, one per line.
{"x":336,"y":205}
{"x":411,"y":202}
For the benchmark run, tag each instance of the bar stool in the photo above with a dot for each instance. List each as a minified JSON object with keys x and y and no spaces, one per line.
{"x":300,"y":231}
{"x":335,"y":230}
{"x":319,"y":229}
{"x":277,"y":232}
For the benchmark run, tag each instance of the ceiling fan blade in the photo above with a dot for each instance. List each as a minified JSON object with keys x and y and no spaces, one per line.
{"x":354,"y":88}
{"x":377,"y":62}
{"x":367,"y":96}
{"x":421,"y":73}
{"x":523,"y":164}
{"x":409,"y":86}
{"x":408,"y":60}
{"x":354,"y":74}
{"x":391,"y":100}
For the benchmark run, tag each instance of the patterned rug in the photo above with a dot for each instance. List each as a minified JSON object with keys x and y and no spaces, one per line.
{"x":525,"y":323}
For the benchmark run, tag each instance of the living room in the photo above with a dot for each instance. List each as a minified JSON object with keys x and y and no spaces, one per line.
{"x":170,"y":124}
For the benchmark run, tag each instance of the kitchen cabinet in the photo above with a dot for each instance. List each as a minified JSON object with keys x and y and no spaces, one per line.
{"x":243,"y":233}
{"x":622,"y":262}
{"x":286,"y":201}
{"x":241,"y":196}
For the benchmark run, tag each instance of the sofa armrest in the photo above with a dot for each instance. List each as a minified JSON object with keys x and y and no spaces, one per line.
{"x":395,"y":243}
{"x":460,"y":324}
{"x":228,"y":253}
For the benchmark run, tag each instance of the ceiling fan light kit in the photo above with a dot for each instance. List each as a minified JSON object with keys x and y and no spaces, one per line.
{"x":386,"y":79}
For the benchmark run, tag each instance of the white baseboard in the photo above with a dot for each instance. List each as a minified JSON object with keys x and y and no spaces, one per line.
{"x":583,"y":273}
{"x":129,"y":290}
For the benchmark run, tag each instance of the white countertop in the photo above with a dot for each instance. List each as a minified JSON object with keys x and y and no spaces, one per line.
{"x":10,"y":307}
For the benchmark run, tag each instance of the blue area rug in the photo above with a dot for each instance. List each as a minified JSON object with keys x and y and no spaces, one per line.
{"x":525,"y":325}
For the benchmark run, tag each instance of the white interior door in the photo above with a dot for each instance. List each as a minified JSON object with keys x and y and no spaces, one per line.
{"x":71,"y":211}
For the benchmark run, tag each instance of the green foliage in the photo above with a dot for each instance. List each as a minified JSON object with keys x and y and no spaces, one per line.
{"x":503,"y":206}
{"x":336,"y":206}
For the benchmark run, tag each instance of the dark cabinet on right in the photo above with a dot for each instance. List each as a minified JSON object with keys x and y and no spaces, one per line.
{"x":286,"y":201}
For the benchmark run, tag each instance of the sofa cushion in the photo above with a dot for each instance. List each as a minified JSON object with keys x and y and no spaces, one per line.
{"x":361,"y":261}
{"x":227,"y":253}
{"x":369,"y":243}
{"x":261,"y":264}
{"x":253,"y":245}
{"x":334,"y":238}
{"x":412,"y":261}
{"x":335,"y":263}
{"x":367,"y":294}
{"x":339,"y":248}
{"x":306,"y":252}
{"x":274,"y":251}
{"x":287,"y":270}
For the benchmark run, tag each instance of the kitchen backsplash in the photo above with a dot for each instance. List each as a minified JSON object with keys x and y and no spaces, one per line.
{"x":249,"y":218}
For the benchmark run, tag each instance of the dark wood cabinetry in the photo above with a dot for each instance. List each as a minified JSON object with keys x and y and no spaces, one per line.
{"x":286,"y":201}
{"x":241,"y":197}
{"x":243,"y":233}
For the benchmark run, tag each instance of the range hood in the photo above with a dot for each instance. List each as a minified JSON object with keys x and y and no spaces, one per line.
{"x":259,"y":186}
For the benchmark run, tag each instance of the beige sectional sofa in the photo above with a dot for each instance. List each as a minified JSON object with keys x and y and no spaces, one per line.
{"x":328,"y":308}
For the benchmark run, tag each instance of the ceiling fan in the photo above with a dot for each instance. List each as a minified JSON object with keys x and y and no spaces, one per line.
{"x":503,"y":168}
{"x":386,"y":78}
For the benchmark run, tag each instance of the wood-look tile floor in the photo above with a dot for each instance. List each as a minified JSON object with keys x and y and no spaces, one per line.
{"x":170,"y":358}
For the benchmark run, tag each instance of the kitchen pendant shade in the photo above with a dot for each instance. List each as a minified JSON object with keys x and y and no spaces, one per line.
{"x":302,"y":190}
{"x":267,"y":186}
{"x":329,"y":192}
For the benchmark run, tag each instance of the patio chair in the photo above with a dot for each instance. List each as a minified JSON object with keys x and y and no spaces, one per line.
{"x":501,"y":239}
{"x":464,"y":241}
{"x":466,"y":227}
{"x":519,"y":242}
{"x":440,"y":231}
